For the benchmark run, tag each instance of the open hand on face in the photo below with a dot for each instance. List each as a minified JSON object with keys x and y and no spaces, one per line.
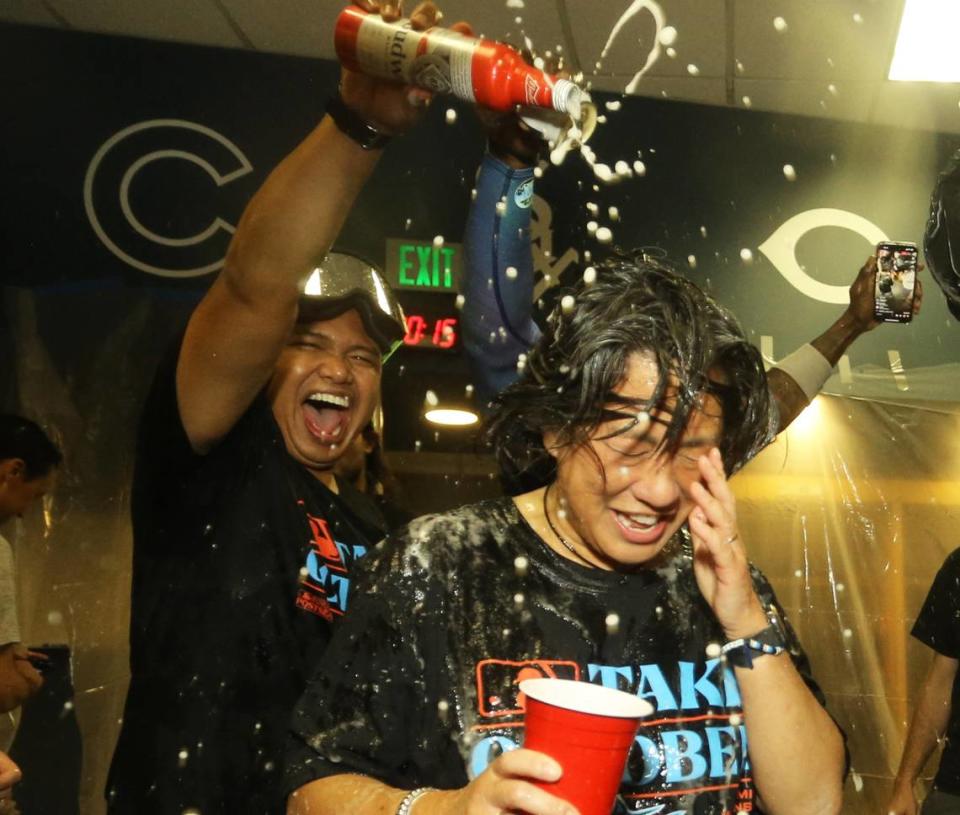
{"x":719,"y":558}
{"x":389,"y":106}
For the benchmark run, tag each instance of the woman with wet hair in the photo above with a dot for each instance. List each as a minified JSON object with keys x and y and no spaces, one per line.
{"x":619,"y":564}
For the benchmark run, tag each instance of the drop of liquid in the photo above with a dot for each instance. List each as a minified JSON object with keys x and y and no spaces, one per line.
{"x":589,"y":275}
{"x":668,"y":35}
{"x":604,"y":234}
{"x":438,"y":241}
{"x":693,"y":70}
{"x":639,"y":168}
{"x":521,"y":566}
{"x":692,"y":261}
{"x":511,"y":272}
{"x":431,"y":399}
{"x":789,"y":172}
{"x":451,"y":116}
{"x":747,"y":101}
{"x":612,"y":622}
{"x":746,"y":256}
{"x":779,"y":24}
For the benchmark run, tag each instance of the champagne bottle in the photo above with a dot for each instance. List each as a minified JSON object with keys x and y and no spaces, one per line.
{"x":488,"y":73}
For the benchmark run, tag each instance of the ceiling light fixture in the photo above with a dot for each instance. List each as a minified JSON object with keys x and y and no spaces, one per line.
{"x":926,"y":49}
{"x":451,"y":417}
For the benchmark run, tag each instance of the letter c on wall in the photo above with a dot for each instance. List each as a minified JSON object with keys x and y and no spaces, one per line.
{"x":226,"y":164}
{"x":781,"y":249}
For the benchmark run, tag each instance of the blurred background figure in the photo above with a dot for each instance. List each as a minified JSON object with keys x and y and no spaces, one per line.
{"x":935,"y":715}
{"x":28,"y":465}
{"x":943,"y":234}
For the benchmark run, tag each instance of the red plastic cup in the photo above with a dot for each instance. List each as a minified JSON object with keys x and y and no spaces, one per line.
{"x":589,"y":730}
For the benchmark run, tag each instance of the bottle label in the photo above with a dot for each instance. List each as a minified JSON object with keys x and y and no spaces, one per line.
{"x":438,"y":60}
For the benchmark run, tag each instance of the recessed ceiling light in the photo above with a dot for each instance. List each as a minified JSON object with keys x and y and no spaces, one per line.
{"x":451,"y":417}
{"x":926,"y":49}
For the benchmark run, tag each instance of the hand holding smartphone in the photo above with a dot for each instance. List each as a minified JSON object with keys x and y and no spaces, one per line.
{"x":896,"y":283}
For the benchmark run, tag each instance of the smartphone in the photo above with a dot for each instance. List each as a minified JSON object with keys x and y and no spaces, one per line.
{"x":896,"y":281}
{"x":43,"y":666}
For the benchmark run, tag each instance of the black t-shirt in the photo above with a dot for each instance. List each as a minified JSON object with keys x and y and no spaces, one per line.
{"x":242,"y":560}
{"x":938,"y":625}
{"x":419,"y":684}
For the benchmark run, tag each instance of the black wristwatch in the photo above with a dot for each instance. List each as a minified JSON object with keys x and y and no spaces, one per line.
{"x":354,"y":127}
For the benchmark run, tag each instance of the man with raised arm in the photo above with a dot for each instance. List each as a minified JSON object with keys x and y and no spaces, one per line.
{"x":244,"y":540}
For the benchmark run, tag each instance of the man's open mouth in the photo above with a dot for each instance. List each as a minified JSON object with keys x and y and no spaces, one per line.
{"x":326,"y":415}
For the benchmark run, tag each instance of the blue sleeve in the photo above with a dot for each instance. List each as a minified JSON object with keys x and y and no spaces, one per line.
{"x":497,"y":319}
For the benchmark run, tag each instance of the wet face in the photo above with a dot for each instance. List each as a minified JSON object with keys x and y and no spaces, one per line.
{"x":324,"y":389}
{"x":17,"y":492}
{"x":618,"y":497}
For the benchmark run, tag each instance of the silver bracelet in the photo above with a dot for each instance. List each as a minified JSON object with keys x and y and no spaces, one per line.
{"x":406,"y":805}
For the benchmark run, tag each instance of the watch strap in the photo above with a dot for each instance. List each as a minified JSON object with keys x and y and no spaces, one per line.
{"x":742,"y":652}
{"x":354,"y":126}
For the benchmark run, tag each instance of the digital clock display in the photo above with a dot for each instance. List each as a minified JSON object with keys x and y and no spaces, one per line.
{"x":431,"y":332}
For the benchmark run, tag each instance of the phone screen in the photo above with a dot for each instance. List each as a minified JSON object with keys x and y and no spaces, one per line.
{"x":896,"y":282}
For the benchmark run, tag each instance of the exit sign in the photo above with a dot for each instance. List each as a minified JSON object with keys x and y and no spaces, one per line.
{"x":424,"y":265}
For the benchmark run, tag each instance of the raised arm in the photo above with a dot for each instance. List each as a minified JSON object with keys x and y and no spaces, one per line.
{"x":497,"y":318}
{"x":238,"y":330}
{"x":926,"y":729}
{"x":796,"y":379}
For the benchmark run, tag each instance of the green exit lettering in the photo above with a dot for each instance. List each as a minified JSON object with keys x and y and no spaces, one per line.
{"x":426,"y":266}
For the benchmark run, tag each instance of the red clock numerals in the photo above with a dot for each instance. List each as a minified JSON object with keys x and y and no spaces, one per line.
{"x":443,"y":335}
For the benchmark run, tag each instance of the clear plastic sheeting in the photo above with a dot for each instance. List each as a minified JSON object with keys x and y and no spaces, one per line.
{"x":850,"y":514}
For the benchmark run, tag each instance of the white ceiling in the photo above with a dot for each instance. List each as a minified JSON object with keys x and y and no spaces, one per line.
{"x":831,"y":60}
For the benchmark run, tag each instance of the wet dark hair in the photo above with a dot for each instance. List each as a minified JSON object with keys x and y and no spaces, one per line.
{"x":23,"y":439}
{"x":636,"y":304}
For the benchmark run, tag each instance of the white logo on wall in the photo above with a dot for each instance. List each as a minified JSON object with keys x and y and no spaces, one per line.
{"x":224,"y":162}
{"x":781,"y":249}
{"x":547,"y":268}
